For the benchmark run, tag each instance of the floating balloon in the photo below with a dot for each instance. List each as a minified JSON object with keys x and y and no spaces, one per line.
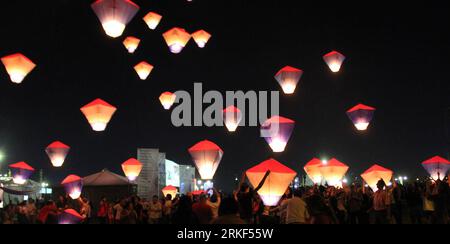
{"x":98,"y":113}
{"x":70,"y":217}
{"x":312,"y":169}
{"x":131,"y":43}
{"x":143,"y":69}
{"x":437,"y":167}
{"x":207,"y":156}
{"x":132,"y":169}
{"x":333,"y":172}
{"x":201,"y":37}
{"x":334,"y":60}
{"x":232,"y":117}
{"x":18,"y":67}
{"x":57,"y":152}
{"x":288,"y":78}
{"x":21,"y":172}
{"x":375,"y":174}
{"x":276,"y":183}
{"x":176,"y":39}
{"x":170,"y":190}
{"x":277,"y":131}
{"x":73,"y":185}
{"x":152,"y":20}
{"x":361,"y":116}
{"x":115,"y":15}
{"x":167,"y":99}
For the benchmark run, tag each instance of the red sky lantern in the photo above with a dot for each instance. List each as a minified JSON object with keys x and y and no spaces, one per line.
{"x":333,"y":172}
{"x":277,"y":131}
{"x":206,"y":156}
{"x":21,"y":172}
{"x":115,"y":15}
{"x":232,"y":117}
{"x":170,"y":190}
{"x":334,"y":60}
{"x":361,"y":116}
{"x":18,"y":67}
{"x":176,"y":39}
{"x":73,"y":185}
{"x":312,"y":169}
{"x":276,"y":183}
{"x":288,"y":78}
{"x":70,"y":217}
{"x":98,"y":113}
{"x":132,"y":169}
{"x":375,"y":174}
{"x":57,"y":152}
{"x":167,"y":99}
{"x":437,"y":167}
{"x":201,"y":37}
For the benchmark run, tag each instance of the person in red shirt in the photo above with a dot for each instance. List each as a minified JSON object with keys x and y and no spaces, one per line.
{"x":48,"y":214}
{"x":102,"y":213}
{"x":203,"y":211}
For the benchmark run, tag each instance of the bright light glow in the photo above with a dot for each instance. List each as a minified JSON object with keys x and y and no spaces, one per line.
{"x":19,"y":180}
{"x":289,"y":88}
{"x":324,"y":162}
{"x":58,"y":161}
{"x":114,"y":28}
{"x":75,"y":194}
{"x":199,"y":182}
{"x":278,"y":145}
{"x":176,"y":48}
{"x":99,"y":126}
{"x":345,"y":181}
{"x":362,"y":126}
{"x":335,"y":67}
{"x":17,"y":78}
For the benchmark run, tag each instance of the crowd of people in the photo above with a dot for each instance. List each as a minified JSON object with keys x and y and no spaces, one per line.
{"x":416,"y":203}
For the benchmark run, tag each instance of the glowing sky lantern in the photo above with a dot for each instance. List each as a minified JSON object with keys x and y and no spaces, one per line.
{"x":57,"y":152}
{"x":277,"y":131}
{"x":288,"y":78}
{"x":275,"y":185}
{"x":131,"y":43}
{"x":21,"y":172}
{"x":143,"y":69}
{"x":207,"y":156}
{"x":170,"y":190}
{"x":70,"y":217}
{"x":73,"y":185}
{"x":437,"y":167}
{"x":99,"y":113}
{"x":152,"y":20}
{"x":115,"y":15}
{"x":201,"y":37}
{"x":312,"y":168}
{"x":333,"y":172}
{"x":334,"y":60}
{"x":361,"y":116}
{"x":132,"y":169}
{"x":375,"y":174}
{"x":18,"y":67}
{"x":232,"y":117}
{"x":176,"y":39}
{"x":167,"y":99}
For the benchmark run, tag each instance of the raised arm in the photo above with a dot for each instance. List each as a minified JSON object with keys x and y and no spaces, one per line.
{"x":261,"y":184}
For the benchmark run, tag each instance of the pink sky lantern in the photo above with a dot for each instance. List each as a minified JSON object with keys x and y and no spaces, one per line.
{"x":70,"y":217}
{"x":277,"y":131}
{"x":375,"y":174}
{"x":333,"y":172}
{"x":334,"y":60}
{"x":132,"y":168}
{"x":167,"y":99}
{"x":206,"y":156}
{"x":437,"y":167}
{"x":232,"y":117}
{"x":115,"y":15}
{"x":21,"y":172}
{"x":73,"y":185}
{"x":361,"y":116}
{"x":57,"y":152}
{"x":99,"y":114}
{"x":276,"y":183}
{"x":288,"y":78}
{"x":312,"y":169}
{"x":18,"y":67}
{"x":170,"y":190}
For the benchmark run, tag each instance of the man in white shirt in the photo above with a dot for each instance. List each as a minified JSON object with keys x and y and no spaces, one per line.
{"x":296,"y":210}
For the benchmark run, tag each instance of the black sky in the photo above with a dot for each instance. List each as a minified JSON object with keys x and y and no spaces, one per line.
{"x":398,"y":59}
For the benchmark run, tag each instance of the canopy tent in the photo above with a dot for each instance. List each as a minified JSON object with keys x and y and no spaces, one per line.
{"x":105,"y":178}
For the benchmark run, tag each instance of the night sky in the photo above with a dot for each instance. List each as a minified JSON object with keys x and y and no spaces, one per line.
{"x":397,"y":61}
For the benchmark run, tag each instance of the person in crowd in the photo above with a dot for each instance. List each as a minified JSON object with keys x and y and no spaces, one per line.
{"x":183,"y":215}
{"x":48,"y":214}
{"x":118,"y":208}
{"x":85,"y":209}
{"x":355,"y":204}
{"x":214,"y":202}
{"x":61,"y":203}
{"x":228,"y":213}
{"x":428,"y":203}
{"x":155,"y":211}
{"x":381,"y":204}
{"x":414,"y":203}
{"x":31,"y":210}
{"x":167,"y":209}
{"x":202,"y":210}
{"x":102,"y":214}
{"x":296,"y":209}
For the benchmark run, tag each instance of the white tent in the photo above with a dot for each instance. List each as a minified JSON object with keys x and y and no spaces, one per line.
{"x":105,"y":178}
